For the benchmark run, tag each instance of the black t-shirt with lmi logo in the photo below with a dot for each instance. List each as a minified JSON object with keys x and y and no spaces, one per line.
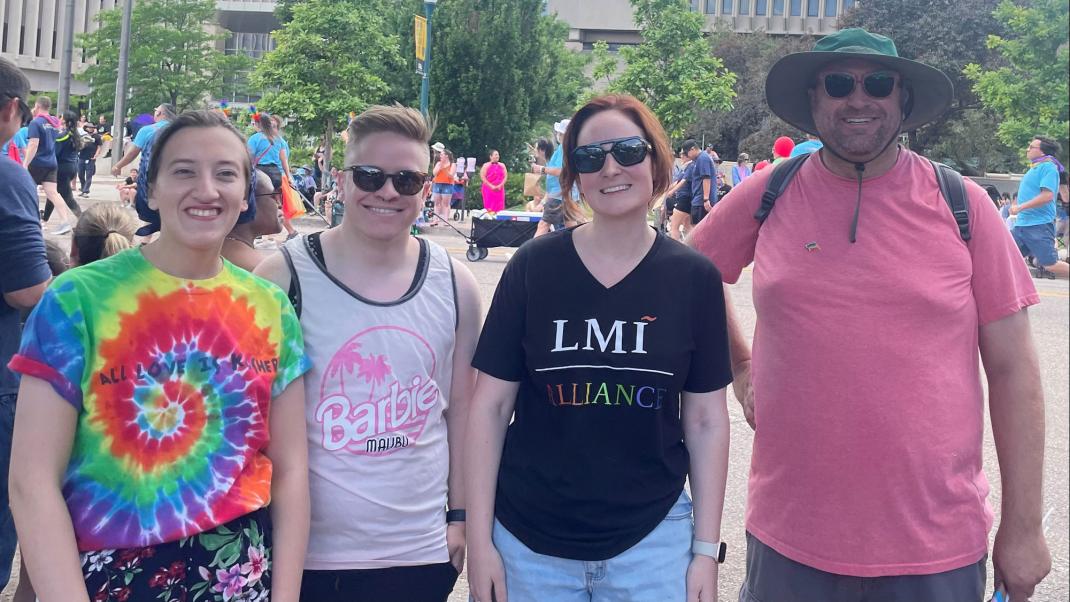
{"x":595,"y":458}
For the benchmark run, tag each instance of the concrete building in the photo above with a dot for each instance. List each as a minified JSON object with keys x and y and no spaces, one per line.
{"x":31,"y":34}
{"x":611,"y":20}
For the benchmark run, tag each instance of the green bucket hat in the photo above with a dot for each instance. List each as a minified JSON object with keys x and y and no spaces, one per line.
{"x":790,"y":79}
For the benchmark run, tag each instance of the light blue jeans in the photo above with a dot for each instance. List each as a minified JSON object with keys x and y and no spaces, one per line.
{"x":653,"y":570}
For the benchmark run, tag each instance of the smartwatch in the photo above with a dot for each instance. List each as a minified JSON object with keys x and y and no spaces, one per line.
{"x":717,"y":551}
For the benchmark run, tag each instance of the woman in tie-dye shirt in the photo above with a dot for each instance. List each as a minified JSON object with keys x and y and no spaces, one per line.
{"x":161,"y":408}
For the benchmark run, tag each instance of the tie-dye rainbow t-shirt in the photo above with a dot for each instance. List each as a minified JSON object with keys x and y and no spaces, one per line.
{"x":173,"y":381}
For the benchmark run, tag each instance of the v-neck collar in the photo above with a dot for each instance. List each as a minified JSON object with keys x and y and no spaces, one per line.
{"x":594,"y":279}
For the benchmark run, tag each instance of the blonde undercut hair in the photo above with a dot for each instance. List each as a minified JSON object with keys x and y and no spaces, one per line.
{"x":397,"y":119}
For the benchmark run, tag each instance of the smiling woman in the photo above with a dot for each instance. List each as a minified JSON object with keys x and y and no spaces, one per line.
{"x":153,"y":382}
{"x":609,"y":341}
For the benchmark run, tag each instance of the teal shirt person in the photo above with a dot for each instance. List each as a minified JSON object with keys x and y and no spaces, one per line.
{"x":553,"y":183}
{"x":1042,"y":176}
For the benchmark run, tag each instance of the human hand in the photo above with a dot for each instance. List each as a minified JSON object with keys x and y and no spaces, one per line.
{"x":486,"y":574}
{"x":455,"y":544}
{"x":741,"y":386}
{"x":707,"y":206}
{"x":702,"y":579}
{"x":1020,"y":559}
{"x":115,"y":171}
{"x":1013,"y":209}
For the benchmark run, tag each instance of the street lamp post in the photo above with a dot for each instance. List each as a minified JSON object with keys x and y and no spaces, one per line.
{"x":429,"y":7}
{"x":119,"y":117}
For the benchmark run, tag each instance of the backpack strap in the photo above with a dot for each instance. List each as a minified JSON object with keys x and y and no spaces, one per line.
{"x":294,"y":293}
{"x":953,"y":190}
{"x":778,"y":183}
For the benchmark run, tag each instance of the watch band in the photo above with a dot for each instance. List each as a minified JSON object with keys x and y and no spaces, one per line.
{"x":717,"y":551}
{"x":455,"y":516}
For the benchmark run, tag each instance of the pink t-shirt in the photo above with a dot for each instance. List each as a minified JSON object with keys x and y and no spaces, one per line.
{"x":867,"y":386}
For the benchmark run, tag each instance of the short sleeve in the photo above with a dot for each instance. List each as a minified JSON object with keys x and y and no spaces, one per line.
{"x":711,"y":366}
{"x":22,"y":244}
{"x":1001,"y":282}
{"x":1049,"y":177}
{"x":293,"y":361}
{"x":34,"y":130}
{"x":704,"y":167}
{"x":730,"y":234}
{"x":143,"y":136}
{"x":500,"y":351}
{"x":54,"y":341}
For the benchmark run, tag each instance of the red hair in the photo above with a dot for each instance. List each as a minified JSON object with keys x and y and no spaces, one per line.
{"x":661,"y":156}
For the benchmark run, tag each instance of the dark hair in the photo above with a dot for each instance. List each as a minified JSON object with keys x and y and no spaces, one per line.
{"x":545,"y":146}
{"x":195,"y":119}
{"x":993,"y":193}
{"x":661,"y":157}
{"x":688,"y":145}
{"x":267,"y":126}
{"x":57,"y":258}
{"x":70,"y":119}
{"x":1048,"y":146}
{"x":168,"y":111}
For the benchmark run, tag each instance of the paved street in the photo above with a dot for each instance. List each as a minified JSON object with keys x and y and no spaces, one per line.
{"x":1051,"y":325}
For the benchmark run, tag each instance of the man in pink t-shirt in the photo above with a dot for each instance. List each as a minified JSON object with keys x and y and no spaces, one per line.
{"x":865,"y":393}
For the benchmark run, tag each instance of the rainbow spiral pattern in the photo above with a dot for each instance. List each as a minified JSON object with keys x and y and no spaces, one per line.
{"x":174,"y":380}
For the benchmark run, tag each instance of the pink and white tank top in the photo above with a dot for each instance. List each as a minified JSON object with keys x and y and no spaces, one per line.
{"x":376,"y":398}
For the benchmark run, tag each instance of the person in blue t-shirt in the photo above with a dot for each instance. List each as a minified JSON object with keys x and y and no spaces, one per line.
{"x":40,"y":161}
{"x":271,"y":155}
{"x":22,"y":281}
{"x":20,"y":141}
{"x":812,"y":143}
{"x":1034,"y":231}
{"x":703,"y":191}
{"x":162,"y":115}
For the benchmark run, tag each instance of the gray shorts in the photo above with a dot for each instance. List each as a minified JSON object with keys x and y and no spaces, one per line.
{"x":773,"y":578}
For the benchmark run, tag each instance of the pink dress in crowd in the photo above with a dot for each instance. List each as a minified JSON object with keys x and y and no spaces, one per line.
{"x":494,"y":200}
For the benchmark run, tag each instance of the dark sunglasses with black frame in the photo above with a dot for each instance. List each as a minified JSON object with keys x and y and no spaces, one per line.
{"x":24,"y":109}
{"x":629,"y":151}
{"x":370,"y":179}
{"x":878,"y":84}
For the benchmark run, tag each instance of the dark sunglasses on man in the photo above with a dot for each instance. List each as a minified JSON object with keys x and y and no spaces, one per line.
{"x":24,"y":109}
{"x":878,"y":84}
{"x":590,"y":158}
{"x":370,"y":179}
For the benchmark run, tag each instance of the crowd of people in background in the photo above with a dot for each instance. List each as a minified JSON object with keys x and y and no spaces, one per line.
{"x":334,"y":420}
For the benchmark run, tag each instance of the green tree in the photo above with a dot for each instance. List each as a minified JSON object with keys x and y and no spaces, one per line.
{"x":327,"y":63}
{"x":748,"y":126}
{"x":172,"y":56}
{"x":1028,"y":90}
{"x":672,"y":70}
{"x":500,"y":71}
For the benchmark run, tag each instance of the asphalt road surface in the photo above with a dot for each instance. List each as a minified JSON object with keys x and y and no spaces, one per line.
{"x":1051,"y":326}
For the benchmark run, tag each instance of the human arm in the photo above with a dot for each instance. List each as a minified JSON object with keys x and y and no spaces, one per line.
{"x":707,"y":184}
{"x":285,"y":163}
{"x":706,"y":434}
{"x":22,"y":244}
{"x":1043,"y":198}
{"x":483,"y":172}
{"x":505,"y":178}
{"x":469,"y":314}
{"x":100,"y":147}
{"x":274,"y":269}
{"x":288,"y":452}
{"x":130,"y":155}
{"x":1020,"y":555}
{"x":31,"y":151}
{"x":739,"y":352}
{"x":544,"y":169}
{"x":488,"y":419}
{"x":44,"y":431}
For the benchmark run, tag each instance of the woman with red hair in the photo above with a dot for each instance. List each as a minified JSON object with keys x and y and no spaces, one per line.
{"x":607,"y":342}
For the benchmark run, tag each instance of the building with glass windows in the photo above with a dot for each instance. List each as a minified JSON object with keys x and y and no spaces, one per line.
{"x":611,"y":20}
{"x":31,"y":35}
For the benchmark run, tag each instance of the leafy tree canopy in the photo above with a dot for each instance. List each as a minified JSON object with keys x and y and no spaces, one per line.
{"x":172,"y":56}
{"x":499,"y":69}
{"x":672,"y":70}
{"x":1028,"y":90}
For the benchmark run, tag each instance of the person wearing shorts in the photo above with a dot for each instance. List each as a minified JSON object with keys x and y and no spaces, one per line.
{"x":1034,"y":231}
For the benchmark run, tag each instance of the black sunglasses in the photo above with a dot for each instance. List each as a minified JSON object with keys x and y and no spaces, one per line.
{"x":629,"y":151}
{"x":370,"y":178}
{"x":24,"y":109}
{"x":877,"y":85}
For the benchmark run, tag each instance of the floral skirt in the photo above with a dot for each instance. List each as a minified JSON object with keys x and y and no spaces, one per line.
{"x":230,"y":562}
